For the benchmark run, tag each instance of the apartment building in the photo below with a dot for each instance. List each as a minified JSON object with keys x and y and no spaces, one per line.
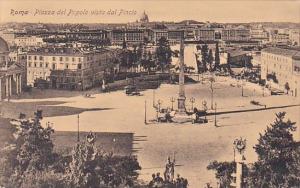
{"x":284,"y":66}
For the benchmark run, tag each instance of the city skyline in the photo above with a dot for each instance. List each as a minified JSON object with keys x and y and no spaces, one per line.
{"x":213,"y":11}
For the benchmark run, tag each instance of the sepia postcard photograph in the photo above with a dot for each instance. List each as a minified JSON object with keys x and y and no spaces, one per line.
{"x":149,"y":94}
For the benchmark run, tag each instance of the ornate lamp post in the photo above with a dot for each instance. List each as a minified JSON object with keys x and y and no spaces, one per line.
{"x":211,"y":80}
{"x":192,"y":100}
{"x":242,"y":87}
{"x":172,"y":101}
{"x":204,"y":107}
{"x":78,"y":128}
{"x":216,"y":115}
{"x":159,"y":102}
{"x":153,"y":98}
{"x":145,"y":120}
{"x":240,"y":146}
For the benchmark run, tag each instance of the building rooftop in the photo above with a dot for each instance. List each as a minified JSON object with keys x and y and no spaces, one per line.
{"x":284,"y":52}
{"x":67,"y":51}
{"x":234,"y":53}
{"x":3,"y":45}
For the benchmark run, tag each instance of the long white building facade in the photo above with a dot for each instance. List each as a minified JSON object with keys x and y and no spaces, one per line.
{"x":284,"y":64}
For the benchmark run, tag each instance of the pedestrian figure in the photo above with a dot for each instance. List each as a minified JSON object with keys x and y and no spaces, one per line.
{"x":152,"y":182}
{"x":158,"y":178}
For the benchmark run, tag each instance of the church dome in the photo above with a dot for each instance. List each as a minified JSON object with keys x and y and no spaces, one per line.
{"x":144,"y":17}
{"x":3,"y":45}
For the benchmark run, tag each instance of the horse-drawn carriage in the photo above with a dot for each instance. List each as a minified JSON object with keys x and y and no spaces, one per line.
{"x":131,"y":90}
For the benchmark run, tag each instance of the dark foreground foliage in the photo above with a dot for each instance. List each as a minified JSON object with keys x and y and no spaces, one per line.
{"x":30,"y":162}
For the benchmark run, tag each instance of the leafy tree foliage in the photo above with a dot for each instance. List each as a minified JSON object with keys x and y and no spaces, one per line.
{"x":217,"y":57}
{"x":90,"y":168}
{"x":163,"y":53}
{"x":224,"y":172}
{"x":30,"y":153}
{"x":204,"y":53}
{"x":30,"y":162}
{"x":210,"y":60}
{"x":278,"y":162}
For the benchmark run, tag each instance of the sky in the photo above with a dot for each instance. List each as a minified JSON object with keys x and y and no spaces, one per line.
{"x":115,"y":11}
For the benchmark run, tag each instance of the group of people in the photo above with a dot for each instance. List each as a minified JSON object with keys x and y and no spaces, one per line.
{"x":169,"y":181}
{"x":158,"y":182}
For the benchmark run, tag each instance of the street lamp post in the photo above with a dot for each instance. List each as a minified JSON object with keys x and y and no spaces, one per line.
{"x":204,"y":107}
{"x":216,"y":115}
{"x":212,"y":93}
{"x":242,"y":88}
{"x":158,"y":108}
{"x":78,"y":128}
{"x":153,"y":98}
{"x":172,"y":101}
{"x":145,"y":120}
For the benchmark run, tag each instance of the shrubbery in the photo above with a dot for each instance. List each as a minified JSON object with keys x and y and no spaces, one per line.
{"x":30,"y":162}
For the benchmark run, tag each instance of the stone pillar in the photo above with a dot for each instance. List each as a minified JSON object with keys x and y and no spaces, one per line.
{"x":17,"y":84}
{"x":239,"y":171}
{"x":20,"y":83}
{"x":181,"y":97}
{"x":6,"y":87}
{"x":0,"y":89}
{"x":10,"y":87}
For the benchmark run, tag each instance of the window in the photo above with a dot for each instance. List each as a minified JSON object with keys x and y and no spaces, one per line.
{"x":60,"y":58}
{"x":35,"y":58}
{"x":47,"y":65}
{"x":79,"y":66}
{"x":53,"y":59}
{"x":29,"y":57}
{"x":79,"y":59}
{"x":41,"y":58}
{"x":41,"y":64}
{"x":53,"y":66}
{"x":67,"y":58}
{"x":29,"y":64}
{"x":34,"y":64}
{"x":73,"y":59}
{"x":67,"y":66}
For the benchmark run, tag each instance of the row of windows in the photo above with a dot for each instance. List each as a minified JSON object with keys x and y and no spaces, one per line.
{"x":54,"y":66}
{"x":35,"y":73}
{"x":281,"y":59}
{"x":41,"y":58}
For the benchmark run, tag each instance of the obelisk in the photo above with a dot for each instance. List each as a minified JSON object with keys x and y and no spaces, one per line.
{"x":181,"y":97}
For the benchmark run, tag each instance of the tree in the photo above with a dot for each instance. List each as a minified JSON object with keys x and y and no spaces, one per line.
{"x":217,"y":57}
{"x":278,"y":162}
{"x":90,"y":168}
{"x":278,"y":156}
{"x":210,"y":60}
{"x":204,"y":53}
{"x":29,"y":161}
{"x":30,"y":153}
{"x":224,"y":172}
{"x":163,"y":53}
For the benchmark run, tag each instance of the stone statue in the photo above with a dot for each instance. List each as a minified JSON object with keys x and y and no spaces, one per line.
{"x":169,"y":172}
{"x":90,"y":138}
